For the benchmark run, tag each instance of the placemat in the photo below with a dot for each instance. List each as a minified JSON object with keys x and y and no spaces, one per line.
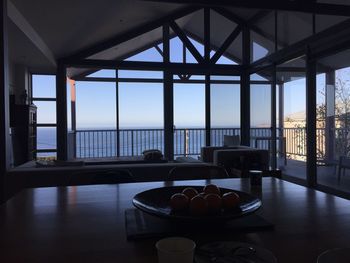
{"x":140,"y":225}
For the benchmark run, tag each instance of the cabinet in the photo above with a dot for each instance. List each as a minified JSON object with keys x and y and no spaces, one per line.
{"x":23,"y":130}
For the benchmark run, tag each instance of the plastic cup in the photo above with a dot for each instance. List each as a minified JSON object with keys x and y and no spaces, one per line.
{"x":175,"y":250}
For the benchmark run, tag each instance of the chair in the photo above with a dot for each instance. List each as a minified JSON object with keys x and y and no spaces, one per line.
{"x":344,"y":163}
{"x":239,"y":161}
{"x":196,"y":172}
{"x":109,"y":176}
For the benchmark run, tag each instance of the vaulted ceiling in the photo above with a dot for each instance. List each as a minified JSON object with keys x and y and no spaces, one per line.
{"x":67,"y":27}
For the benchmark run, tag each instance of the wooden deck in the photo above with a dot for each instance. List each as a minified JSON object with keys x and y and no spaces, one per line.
{"x":326,"y":175}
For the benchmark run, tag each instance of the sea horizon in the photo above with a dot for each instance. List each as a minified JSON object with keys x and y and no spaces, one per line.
{"x":102,"y":142}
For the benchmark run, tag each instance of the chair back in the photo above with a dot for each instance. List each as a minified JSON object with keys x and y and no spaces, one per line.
{"x":196,"y":172}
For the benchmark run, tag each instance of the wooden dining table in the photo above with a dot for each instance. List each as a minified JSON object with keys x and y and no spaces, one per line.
{"x":87,"y":223}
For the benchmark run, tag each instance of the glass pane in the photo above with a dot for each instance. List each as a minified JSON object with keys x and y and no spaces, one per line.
{"x":333,"y":123}
{"x":176,"y":51}
{"x":151,"y":55}
{"x":225,"y":60}
{"x":69,"y":106}
{"x":44,"y":86}
{"x":46,"y":156}
{"x":259,"y":51}
{"x":293,"y":107}
{"x":140,"y":74}
{"x":260,"y":116}
{"x":140,"y":105}
{"x":46,"y":111}
{"x":95,"y":105}
{"x":257,"y":77}
{"x":198,"y":46}
{"x":190,"y":58}
{"x":46,"y":138}
{"x":225,"y":78}
{"x":225,"y":111}
{"x":197,"y":77}
{"x":260,"y":109}
{"x":189,"y":119}
{"x":140,"y":117}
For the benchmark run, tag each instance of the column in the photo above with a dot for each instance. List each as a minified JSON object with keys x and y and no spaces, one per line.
{"x":168,"y":99}
{"x":311,"y":158}
{"x":245,"y":88}
{"x":61,"y":111}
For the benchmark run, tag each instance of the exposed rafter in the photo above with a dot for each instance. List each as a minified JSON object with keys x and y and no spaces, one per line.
{"x":282,"y":5}
{"x":174,"y":26}
{"x":120,"y":38}
{"x":20,"y":21}
{"x":207,"y":34}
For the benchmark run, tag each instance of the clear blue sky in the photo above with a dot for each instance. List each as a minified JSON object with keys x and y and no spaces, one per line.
{"x":141,"y":104}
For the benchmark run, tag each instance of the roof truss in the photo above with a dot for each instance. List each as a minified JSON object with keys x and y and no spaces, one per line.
{"x":169,"y":21}
{"x":118,"y":39}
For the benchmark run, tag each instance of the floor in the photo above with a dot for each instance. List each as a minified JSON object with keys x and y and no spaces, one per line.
{"x":326,"y":175}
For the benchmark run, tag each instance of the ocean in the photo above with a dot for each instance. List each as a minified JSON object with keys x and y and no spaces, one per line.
{"x":95,"y":143}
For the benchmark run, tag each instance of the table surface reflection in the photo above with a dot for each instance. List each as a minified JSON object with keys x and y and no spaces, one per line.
{"x":86,"y":223}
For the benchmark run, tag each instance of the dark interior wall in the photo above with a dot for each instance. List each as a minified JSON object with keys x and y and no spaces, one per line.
{"x":4,"y":101}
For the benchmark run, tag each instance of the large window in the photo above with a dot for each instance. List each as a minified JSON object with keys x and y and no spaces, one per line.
{"x":333,"y":121}
{"x":224,"y":108}
{"x":189,"y":117}
{"x":44,"y":98}
{"x":293,"y":118}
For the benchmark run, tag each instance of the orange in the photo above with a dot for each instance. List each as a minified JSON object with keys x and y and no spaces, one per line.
{"x":178,"y":202}
{"x":230,"y":200}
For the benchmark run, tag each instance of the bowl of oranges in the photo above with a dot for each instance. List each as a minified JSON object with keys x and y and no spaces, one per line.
{"x":193,"y":203}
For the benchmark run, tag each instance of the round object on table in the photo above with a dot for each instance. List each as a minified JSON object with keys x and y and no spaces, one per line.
{"x":179,"y":202}
{"x":175,"y":249}
{"x":156,"y":202}
{"x":190,"y":192}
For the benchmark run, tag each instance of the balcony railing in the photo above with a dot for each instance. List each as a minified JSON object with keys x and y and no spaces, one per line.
{"x":132,"y":142}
